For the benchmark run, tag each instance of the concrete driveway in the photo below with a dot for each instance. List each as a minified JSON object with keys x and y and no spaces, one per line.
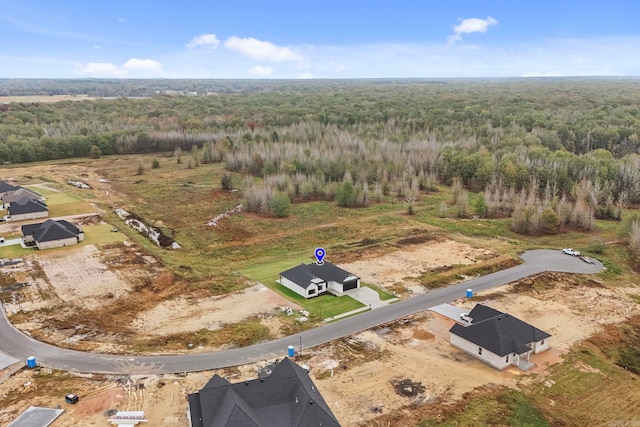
{"x":367,"y":296}
{"x":10,"y":242}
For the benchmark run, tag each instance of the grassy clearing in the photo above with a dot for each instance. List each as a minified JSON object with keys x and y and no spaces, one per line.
{"x":101,"y":233}
{"x":446,"y":275}
{"x":242,"y":334}
{"x":384,"y":295}
{"x":14,"y":251}
{"x":65,"y":203}
{"x":588,"y":389}
{"x":489,"y":405}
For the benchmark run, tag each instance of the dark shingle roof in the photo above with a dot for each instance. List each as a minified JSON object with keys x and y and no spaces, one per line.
{"x":329,"y":272}
{"x":4,"y":187}
{"x":303,"y":274}
{"x":51,"y":230}
{"x":26,"y":205}
{"x":300,"y":275}
{"x":501,"y":334}
{"x":287,"y":397}
{"x":482,"y":312}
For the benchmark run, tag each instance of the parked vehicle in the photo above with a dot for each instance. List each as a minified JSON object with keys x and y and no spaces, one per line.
{"x":571,"y":251}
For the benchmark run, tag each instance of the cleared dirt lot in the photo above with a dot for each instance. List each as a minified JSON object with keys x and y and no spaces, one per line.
{"x":405,"y":265}
{"x":90,"y":278}
{"x":416,"y":349}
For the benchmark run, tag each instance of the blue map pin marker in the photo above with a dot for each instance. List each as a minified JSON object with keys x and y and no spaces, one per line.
{"x":320,"y":253}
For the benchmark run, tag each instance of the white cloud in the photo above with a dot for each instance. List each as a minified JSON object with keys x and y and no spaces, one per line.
{"x":204,"y":40}
{"x":305,"y":76}
{"x":471,"y":25}
{"x":97,"y":47}
{"x":261,"y":50}
{"x":135,"y":64}
{"x":261,"y":71}
{"x":102,"y":69}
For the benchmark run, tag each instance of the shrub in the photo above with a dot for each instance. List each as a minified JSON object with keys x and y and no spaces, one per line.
{"x":280,"y":205}
{"x":94,"y":152}
{"x":346,"y":194}
{"x":155,"y":163}
{"x":226,"y":182}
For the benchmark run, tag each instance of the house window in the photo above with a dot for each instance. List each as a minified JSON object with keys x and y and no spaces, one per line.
{"x":542,"y":342}
{"x":312,"y":291}
{"x":507,"y":359}
{"x":480,"y":350}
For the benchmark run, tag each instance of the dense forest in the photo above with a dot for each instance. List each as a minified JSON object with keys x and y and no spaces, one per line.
{"x":549,"y":153}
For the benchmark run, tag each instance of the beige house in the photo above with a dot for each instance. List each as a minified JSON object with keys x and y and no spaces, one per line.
{"x":19,"y":193}
{"x":27,"y":208}
{"x":52,"y":234}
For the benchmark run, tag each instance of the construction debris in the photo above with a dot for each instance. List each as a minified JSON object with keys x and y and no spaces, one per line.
{"x":407,"y":387}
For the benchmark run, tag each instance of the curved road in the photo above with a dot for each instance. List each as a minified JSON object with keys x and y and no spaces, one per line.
{"x":16,"y":344}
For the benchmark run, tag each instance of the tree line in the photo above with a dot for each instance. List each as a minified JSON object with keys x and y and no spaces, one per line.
{"x":534,"y":150}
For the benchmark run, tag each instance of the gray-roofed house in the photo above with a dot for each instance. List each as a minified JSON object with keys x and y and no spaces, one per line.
{"x":498,"y":338}
{"x":27,"y":208}
{"x":52,"y":234}
{"x":6,"y":188}
{"x":310,"y":280}
{"x":286,"y":397}
{"x":17,"y":194}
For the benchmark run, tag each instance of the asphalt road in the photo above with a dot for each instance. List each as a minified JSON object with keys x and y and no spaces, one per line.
{"x":21,"y":346}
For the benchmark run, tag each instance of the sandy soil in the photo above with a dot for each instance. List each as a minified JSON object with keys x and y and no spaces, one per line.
{"x":84,"y":277}
{"x":79,"y":275}
{"x":188,"y":314}
{"x":404,"y":265}
{"x":417,"y":350}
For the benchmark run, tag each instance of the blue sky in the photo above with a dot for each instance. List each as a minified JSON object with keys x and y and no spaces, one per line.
{"x":318,"y":39}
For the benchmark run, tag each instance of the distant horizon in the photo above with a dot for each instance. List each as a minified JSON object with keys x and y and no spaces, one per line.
{"x":293,"y":79}
{"x":332,"y":39}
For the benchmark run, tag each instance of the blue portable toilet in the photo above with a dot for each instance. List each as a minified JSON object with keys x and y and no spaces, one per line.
{"x":291,"y":351}
{"x":31,"y":362}
{"x":469,"y":293}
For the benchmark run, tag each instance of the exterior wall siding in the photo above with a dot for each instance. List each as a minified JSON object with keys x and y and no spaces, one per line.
{"x":541,"y":346}
{"x":293,"y":286}
{"x":498,"y":362}
{"x":57,"y":243}
{"x":26,"y":216}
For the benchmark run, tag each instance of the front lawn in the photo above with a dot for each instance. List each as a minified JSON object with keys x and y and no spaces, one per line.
{"x":322,"y":306}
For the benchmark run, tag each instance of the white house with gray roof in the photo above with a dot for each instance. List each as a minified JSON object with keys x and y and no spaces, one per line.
{"x":310,"y":280}
{"x":498,"y":339}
